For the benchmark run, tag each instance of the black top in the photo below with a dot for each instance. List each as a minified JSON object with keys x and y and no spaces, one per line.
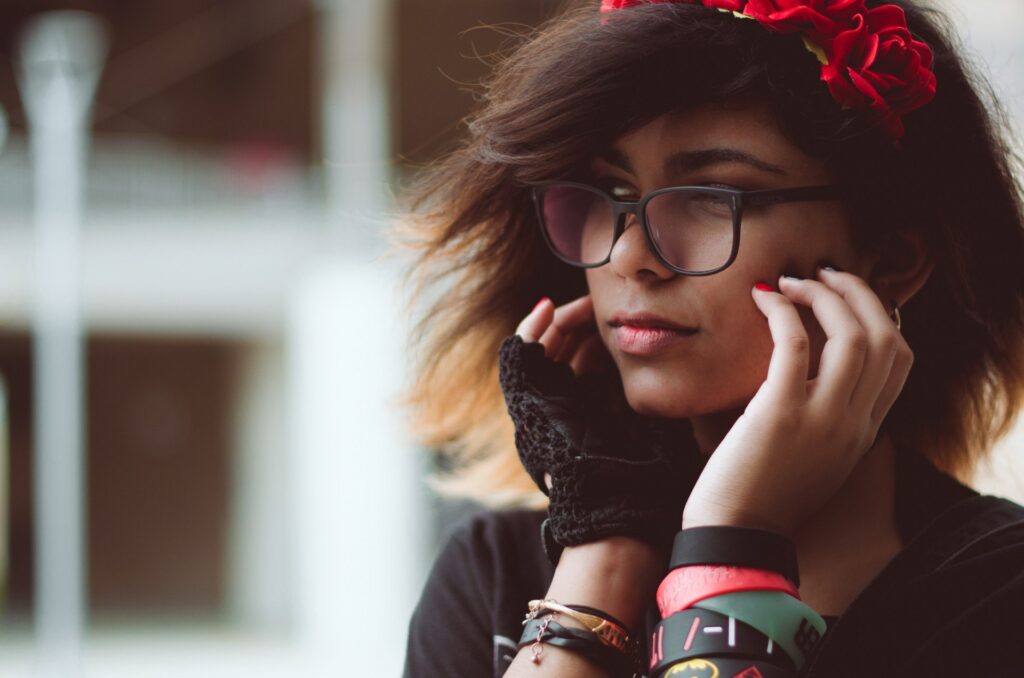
{"x":951,"y":603}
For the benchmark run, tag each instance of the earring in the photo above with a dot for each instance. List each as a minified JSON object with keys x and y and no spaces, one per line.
{"x":896,"y":317}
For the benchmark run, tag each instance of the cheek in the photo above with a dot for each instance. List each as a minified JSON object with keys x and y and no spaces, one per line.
{"x":720,"y":370}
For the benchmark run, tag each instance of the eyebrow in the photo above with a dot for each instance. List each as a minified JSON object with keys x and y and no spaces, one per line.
{"x":691,"y":161}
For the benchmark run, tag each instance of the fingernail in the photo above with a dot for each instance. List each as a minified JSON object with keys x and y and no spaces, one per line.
{"x":791,"y":277}
{"x":542,"y":300}
{"x":830,"y":268}
{"x":764,"y":287}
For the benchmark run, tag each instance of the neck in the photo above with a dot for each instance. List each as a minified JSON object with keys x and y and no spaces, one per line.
{"x":868,"y":493}
{"x":848,"y":539}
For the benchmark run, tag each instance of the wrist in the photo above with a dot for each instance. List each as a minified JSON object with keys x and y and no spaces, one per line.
{"x":616,"y":574}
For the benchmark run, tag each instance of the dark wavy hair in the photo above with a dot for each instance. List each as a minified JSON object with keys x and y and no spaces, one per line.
{"x":577,"y":83}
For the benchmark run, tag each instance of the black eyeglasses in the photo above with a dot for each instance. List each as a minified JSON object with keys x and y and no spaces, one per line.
{"x":693,"y":230}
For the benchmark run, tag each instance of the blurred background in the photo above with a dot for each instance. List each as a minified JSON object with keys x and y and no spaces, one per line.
{"x":201,"y":469}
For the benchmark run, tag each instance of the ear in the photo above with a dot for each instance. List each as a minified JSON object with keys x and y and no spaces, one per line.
{"x":902,"y":268}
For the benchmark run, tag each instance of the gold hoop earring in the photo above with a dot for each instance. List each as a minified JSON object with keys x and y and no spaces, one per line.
{"x":896,"y":317}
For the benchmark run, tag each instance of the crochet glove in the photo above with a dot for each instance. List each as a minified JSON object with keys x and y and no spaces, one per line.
{"x":613,"y":471}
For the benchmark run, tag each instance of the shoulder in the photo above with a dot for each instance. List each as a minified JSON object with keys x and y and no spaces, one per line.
{"x":982,"y":531}
{"x":501,"y":550}
{"x":497,"y":532}
{"x":489,"y":564}
{"x":491,"y":544}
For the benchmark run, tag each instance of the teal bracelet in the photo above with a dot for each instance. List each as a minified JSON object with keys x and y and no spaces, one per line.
{"x":788,"y":621}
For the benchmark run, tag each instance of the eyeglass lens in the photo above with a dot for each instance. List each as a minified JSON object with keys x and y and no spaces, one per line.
{"x":691,"y":229}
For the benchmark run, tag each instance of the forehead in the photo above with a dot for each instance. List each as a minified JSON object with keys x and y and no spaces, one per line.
{"x":682,"y":142}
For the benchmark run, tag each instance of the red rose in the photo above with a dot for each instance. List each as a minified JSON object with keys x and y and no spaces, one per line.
{"x":878,"y":64}
{"x":818,"y":20}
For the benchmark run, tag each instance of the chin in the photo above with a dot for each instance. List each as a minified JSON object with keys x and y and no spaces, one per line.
{"x":652,"y":393}
{"x":657,"y":401}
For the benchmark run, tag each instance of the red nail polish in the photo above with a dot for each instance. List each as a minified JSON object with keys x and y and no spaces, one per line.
{"x":764,"y":287}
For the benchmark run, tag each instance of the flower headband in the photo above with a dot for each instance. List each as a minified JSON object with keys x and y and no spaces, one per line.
{"x":868,"y":57}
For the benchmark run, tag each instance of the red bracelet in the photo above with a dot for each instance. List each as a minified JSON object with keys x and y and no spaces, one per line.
{"x":684,"y":586}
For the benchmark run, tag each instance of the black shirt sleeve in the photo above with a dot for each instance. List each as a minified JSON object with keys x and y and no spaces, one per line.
{"x":467,"y":620}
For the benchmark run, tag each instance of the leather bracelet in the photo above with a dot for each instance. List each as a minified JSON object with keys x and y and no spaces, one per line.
{"x":704,"y":667}
{"x":684,"y":586}
{"x":608,"y":630}
{"x":546,"y":630}
{"x":702,"y":633}
{"x":739,"y":546}
{"x":790,"y":622}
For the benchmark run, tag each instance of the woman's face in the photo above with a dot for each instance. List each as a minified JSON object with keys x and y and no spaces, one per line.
{"x":720,"y":363}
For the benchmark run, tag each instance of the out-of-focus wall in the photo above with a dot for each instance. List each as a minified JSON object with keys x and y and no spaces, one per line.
{"x":241,"y":160}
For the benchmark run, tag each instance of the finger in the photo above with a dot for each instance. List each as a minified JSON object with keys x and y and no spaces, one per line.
{"x":570,"y":345}
{"x":591,"y":357}
{"x":787,"y":369}
{"x":842,"y":358}
{"x":883,"y":339}
{"x":534,"y":324}
{"x":575,"y":316}
{"x":893,"y":386}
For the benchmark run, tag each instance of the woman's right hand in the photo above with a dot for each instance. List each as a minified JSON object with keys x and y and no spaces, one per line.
{"x":612,"y":471}
{"x":568,"y":334}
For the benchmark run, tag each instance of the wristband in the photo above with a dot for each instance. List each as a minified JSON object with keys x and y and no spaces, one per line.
{"x":684,"y":586}
{"x":702,"y":633}
{"x":739,"y":546}
{"x":789,"y":622}
{"x":585,"y":643}
{"x":605,"y":627}
{"x":706,"y":667}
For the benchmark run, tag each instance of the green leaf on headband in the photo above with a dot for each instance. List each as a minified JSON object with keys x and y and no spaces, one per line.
{"x":738,"y":15}
{"x":817,"y":51}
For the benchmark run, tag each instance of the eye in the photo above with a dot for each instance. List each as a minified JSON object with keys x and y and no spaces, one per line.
{"x":718,"y":204}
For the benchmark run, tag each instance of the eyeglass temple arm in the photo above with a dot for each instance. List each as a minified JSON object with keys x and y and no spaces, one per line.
{"x":777,"y":196}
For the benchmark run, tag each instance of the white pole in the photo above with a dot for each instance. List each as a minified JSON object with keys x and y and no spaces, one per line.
{"x":355,"y":52}
{"x":357,"y":508}
{"x":61,"y":55}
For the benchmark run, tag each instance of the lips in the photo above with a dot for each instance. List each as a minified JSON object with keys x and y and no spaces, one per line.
{"x":648,"y":321}
{"x":647,"y":334}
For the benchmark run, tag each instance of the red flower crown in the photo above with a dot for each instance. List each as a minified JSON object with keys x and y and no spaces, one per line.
{"x":868,"y":57}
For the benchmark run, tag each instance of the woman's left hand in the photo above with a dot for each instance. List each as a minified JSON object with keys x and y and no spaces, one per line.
{"x":799,"y":439}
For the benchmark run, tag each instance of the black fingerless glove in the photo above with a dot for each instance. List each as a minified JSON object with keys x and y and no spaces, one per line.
{"x":613,"y":471}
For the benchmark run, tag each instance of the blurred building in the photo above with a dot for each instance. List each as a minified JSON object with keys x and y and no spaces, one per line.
{"x":243,"y":160}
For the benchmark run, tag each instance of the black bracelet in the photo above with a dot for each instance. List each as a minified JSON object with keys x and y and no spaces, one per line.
{"x":581,"y":641}
{"x":738,"y":546}
{"x":601,"y":613}
{"x":696,"y":633}
{"x":719,"y":666}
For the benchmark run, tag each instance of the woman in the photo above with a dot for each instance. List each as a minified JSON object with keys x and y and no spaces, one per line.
{"x":778,"y":249}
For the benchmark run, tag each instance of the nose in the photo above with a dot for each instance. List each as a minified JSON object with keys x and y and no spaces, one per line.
{"x":632,"y":256}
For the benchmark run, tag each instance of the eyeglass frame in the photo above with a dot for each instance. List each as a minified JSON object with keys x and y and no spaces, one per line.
{"x":739,"y":200}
